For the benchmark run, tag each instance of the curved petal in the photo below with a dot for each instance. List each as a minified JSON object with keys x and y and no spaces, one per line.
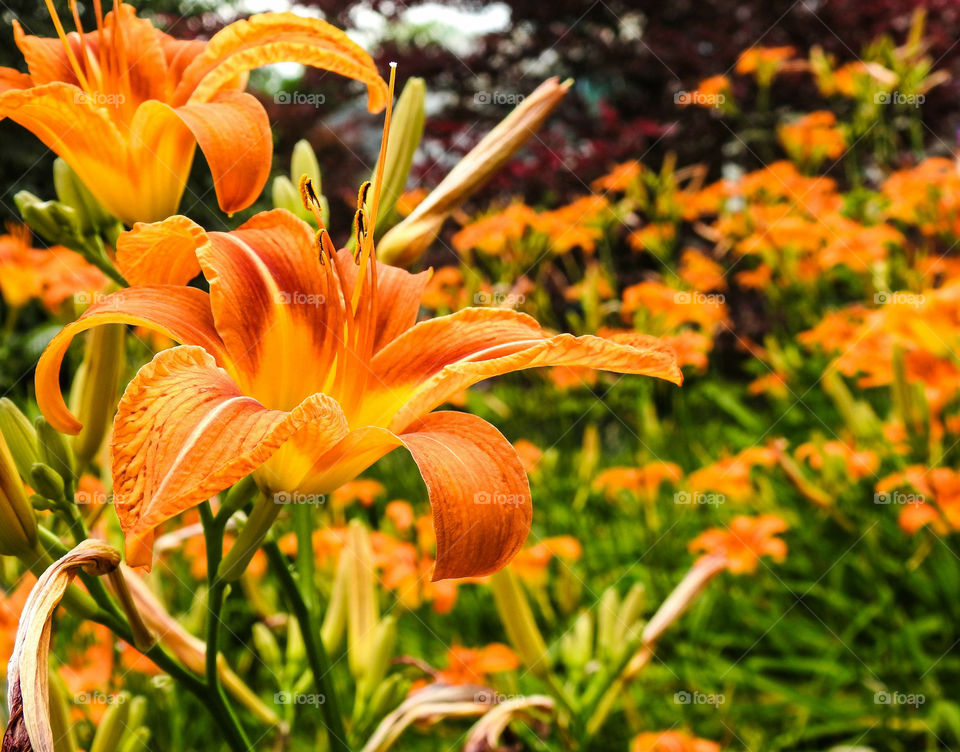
{"x":181,"y":313}
{"x":45,"y":56}
{"x":233,"y":132}
{"x":184,"y":432}
{"x":475,"y":480}
{"x":435,"y":359}
{"x":267,"y":294}
{"x":398,"y":291}
{"x":161,"y":253}
{"x":478,"y":490}
{"x":11,"y":78}
{"x":64,"y":119}
{"x":273,"y":38}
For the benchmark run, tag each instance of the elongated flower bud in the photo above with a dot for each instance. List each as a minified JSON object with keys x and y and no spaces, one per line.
{"x":362,"y":610}
{"x":303,"y":161}
{"x":99,"y":389}
{"x":60,"y":723}
{"x":406,"y":131}
{"x":47,"y":482}
{"x":335,"y":618}
{"x":20,"y":435}
{"x":112,"y":725}
{"x":18,"y":523}
{"x":73,"y":193}
{"x":408,"y":240}
{"x":54,"y":222}
{"x":258,"y":524}
{"x":381,"y":653}
{"x":54,"y":450}
{"x":518,"y":621}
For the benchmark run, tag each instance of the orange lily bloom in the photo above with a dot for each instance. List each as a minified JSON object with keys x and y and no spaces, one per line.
{"x":125,"y":105}
{"x":474,"y":665}
{"x":304,"y":370}
{"x":743,"y":542}
{"x":671,"y":741}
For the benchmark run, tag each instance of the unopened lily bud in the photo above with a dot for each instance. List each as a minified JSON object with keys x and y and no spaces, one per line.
{"x":73,"y":193}
{"x":98,"y":392}
{"x":54,"y":222}
{"x":267,"y":647}
{"x":258,"y":524}
{"x":46,"y":482}
{"x":383,"y":643}
{"x":286,"y":196}
{"x":136,"y":741}
{"x":20,"y":435}
{"x":405,"y":243}
{"x":631,"y":609}
{"x":60,"y":723}
{"x":335,"y":619}
{"x":296,"y":648}
{"x":406,"y":131}
{"x":608,"y":612}
{"x":112,"y":725}
{"x":55,"y":451}
{"x":576,"y":646}
{"x":137,"y":713}
{"x":518,"y":621}
{"x":238,"y":496}
{"x":303,"y":161}
{"x":18,"y":522}
{"x":362,"y":607}
{"x":387,"y":696}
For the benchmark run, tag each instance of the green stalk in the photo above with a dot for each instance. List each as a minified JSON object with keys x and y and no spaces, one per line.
{"x":316,"y":653}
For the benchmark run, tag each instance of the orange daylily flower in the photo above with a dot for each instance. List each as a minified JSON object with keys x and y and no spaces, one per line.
{"x":304,"y":369}
{"x":497,"y":233}
{"x":644,"y":481}
{"x":125,"y":105}
{"x":364,"y":490}
{"x":813,"y":138}
{"x":731,"y":476}
{"x":620,"y":178}
{"x":671,"y":741}
{"x":531,"y":563}
{"x":743,"y":542}
{"x":474,"y":665}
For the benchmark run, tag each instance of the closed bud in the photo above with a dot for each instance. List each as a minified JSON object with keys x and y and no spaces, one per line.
{"x":576,"y":645}
{"x":136,"y":741}
{"x":286,"y":196}
{"x":335,"y":618}
{"x":258,"y":524}
{"x":73,"y":193}
{"x":113,"y":724}
{"x":60,"y":723}
{"x":267,"y":647}
{"x":303,"y":161}
{"x":18,"y":522}
{"x":406,"y":131}
{"x":54,"y":451}
{"x":296,"y":648}
{"x":98,"y":390}
{"x":238,"y":496}
{"x":20,"y":436}
{"x":383,"y":643}
{"x":54,"y":222}
{"x":608,"y":612}
{"x":46,"y":482}
{"x":138,"y":712}
{"x":362,"y":607}
{"x":631,"y":609}
{"x":518,"y":621}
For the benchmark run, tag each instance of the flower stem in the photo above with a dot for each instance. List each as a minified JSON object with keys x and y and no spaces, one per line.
{"x":213,"y":535}
{"x":316,"y":653}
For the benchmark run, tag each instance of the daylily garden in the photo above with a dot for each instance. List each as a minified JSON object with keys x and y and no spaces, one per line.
{"x":354,"y":400}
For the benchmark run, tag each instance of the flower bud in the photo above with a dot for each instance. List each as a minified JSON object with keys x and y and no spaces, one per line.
{"x":258,"y":524}
{"x":112,"y":725}
{"x":73,"y":193}
{"x":380,"y":655}
{"x":55,"y":451}
{"x":98,"y":389}
{"x":335,"y":618}
{"x":136,"y":741}
{"x":46,"y":482}
{"x":18,"y":522}
{"x":267,"y":647}
{"x":518,"y":621}
{"x":60,"y":723}
{"x":362,"y":607}
{"x":406,"y":130}
{"x":54,"y":222}
{"x":303,"y":161}
{"x":20,"y":435}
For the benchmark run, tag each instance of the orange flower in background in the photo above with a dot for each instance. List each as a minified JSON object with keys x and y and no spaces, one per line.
{"x":936,"y":501}
{"x":856,"y":464}
{"x":364,"y":490}
{"x":860,"y":248}
{"x":474,"y":665}
{"x":644,"y":481}
{"x":619,"y":179}
{"x":568,"y":377}
{"x":773,"y":384}
{"x":701,"y":272}
{"x":671,"y":307}
{"x":655,"y":237}
{"x":743,"y":542}
{"x":731,"y":476}
{"x":305,"y":369}
{"x":576,"y":225}
{"x":765,"y":62}
{"x":755,"y":279}
{"x":530,"y":454}
{"x":11,"y":606}
{"x":400,"y":513}
{"x":671,"y":741}
{"x":125,"y":105}
{"x":531,"y":563}
{"x":812,"y":138}
{"x":53,"y":275}
{"x":497,"y":233}
{"x":446,"y":290}
{"x":410,"y":200}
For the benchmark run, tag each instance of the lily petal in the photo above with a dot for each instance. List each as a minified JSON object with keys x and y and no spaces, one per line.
{"x":11,"y":78}
{"x":478,"y":490}
{"x":233,"y":132}
{"x":273,"y":38}
{"x":202,"y":434}
{"x":476,"y":483}
{"x":161,"y":253}
{"x":265,"y":277}
{"x":45,"y":56}
{"x":422,"y":368}
{"x":181,"y":313}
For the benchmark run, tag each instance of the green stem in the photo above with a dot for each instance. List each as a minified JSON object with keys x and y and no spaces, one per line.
{"x":316,"y":653}
{"x":213,"y":535}
{"x":303,"y":525}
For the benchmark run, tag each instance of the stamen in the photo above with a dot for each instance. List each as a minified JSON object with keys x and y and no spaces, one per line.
{"x":308,"y":195}
{"x":324,"y":244}
{"x":367,"y":248}
{"x":74,"y":63}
